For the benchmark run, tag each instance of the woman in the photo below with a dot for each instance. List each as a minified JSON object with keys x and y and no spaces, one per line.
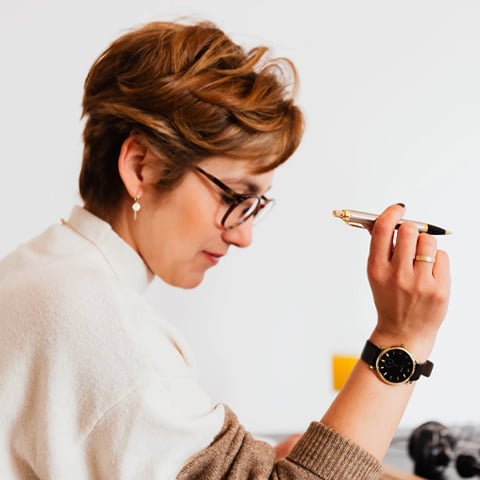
{"x":183,"y":131}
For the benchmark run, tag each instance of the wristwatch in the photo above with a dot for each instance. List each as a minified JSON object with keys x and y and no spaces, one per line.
{"x":394,"y":365}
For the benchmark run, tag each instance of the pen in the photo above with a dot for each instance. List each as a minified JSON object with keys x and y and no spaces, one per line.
{"x":358,"y":219}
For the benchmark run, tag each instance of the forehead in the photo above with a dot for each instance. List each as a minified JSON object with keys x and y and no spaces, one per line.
{"x":234,"y":172}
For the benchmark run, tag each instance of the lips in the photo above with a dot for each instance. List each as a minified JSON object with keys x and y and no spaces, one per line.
{"x":213,"y":257}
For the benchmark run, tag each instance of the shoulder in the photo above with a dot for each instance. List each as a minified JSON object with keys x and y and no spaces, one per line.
{"x":57,"y":286}
{"x":60,"y":293}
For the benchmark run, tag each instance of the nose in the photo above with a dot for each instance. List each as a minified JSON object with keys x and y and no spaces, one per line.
{"x":240,"y":236}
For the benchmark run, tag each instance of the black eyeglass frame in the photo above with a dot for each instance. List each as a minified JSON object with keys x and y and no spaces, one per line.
{"x":237,"y":199}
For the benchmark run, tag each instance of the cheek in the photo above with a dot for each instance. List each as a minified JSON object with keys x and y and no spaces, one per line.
{"x":196,"y":217}
{"x":179,"y":230}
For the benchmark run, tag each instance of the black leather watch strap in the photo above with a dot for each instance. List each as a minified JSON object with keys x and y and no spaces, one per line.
{"x":370,"y":353}
{"x":424,"y":369}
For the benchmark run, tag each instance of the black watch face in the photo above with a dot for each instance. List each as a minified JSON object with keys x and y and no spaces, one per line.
{"x":395,"y":365}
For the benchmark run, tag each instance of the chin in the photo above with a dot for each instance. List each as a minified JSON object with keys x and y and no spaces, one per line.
{"x":189,"y":286}
{"x":187,"y":282}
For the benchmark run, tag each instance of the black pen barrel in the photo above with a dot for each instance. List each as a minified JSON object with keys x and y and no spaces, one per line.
{"x":427,"y":228}
{"x":433,"y":230}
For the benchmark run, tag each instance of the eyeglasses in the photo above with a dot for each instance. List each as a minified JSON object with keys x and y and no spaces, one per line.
{"x":240,"y":206}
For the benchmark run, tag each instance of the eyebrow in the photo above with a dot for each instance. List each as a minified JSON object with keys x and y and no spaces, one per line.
{"x":252,"y":187}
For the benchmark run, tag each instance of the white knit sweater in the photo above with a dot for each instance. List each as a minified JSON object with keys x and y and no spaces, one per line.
{"x":92,"y":384}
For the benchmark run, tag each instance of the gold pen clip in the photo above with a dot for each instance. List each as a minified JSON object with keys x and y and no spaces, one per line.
{"x":355,"y":224}
{"x":346,"y":216}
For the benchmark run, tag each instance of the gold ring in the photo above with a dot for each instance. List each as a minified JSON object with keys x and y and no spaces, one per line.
{"x":424,"y":258}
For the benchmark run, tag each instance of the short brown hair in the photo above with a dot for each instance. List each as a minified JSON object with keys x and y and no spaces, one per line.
{"x":191,"y":92}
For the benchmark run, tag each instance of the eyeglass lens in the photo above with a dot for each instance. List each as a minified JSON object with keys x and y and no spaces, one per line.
{"x":244,"y":210}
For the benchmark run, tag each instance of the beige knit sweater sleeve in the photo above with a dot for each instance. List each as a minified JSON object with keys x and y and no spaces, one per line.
{"x":321,"y":453}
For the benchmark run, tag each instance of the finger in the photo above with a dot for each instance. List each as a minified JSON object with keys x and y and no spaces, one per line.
{"x":425,"y":255}
{"x":441,"y":268}
{"x":405,"y":246}
{"x":383,"y":231}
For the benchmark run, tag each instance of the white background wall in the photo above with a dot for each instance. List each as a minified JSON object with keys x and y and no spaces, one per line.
{"x":391,"y":94}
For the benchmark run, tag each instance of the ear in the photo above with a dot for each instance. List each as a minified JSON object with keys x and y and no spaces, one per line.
{"x":131,"y":162}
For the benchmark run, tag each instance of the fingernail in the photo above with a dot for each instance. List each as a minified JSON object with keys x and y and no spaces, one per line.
{"x":401,"y":204}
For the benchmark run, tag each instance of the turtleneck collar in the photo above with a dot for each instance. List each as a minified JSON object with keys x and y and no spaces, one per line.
{"x":125,"y":263}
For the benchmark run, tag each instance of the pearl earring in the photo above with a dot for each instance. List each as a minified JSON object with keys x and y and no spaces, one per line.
{"x":136,"y":207}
